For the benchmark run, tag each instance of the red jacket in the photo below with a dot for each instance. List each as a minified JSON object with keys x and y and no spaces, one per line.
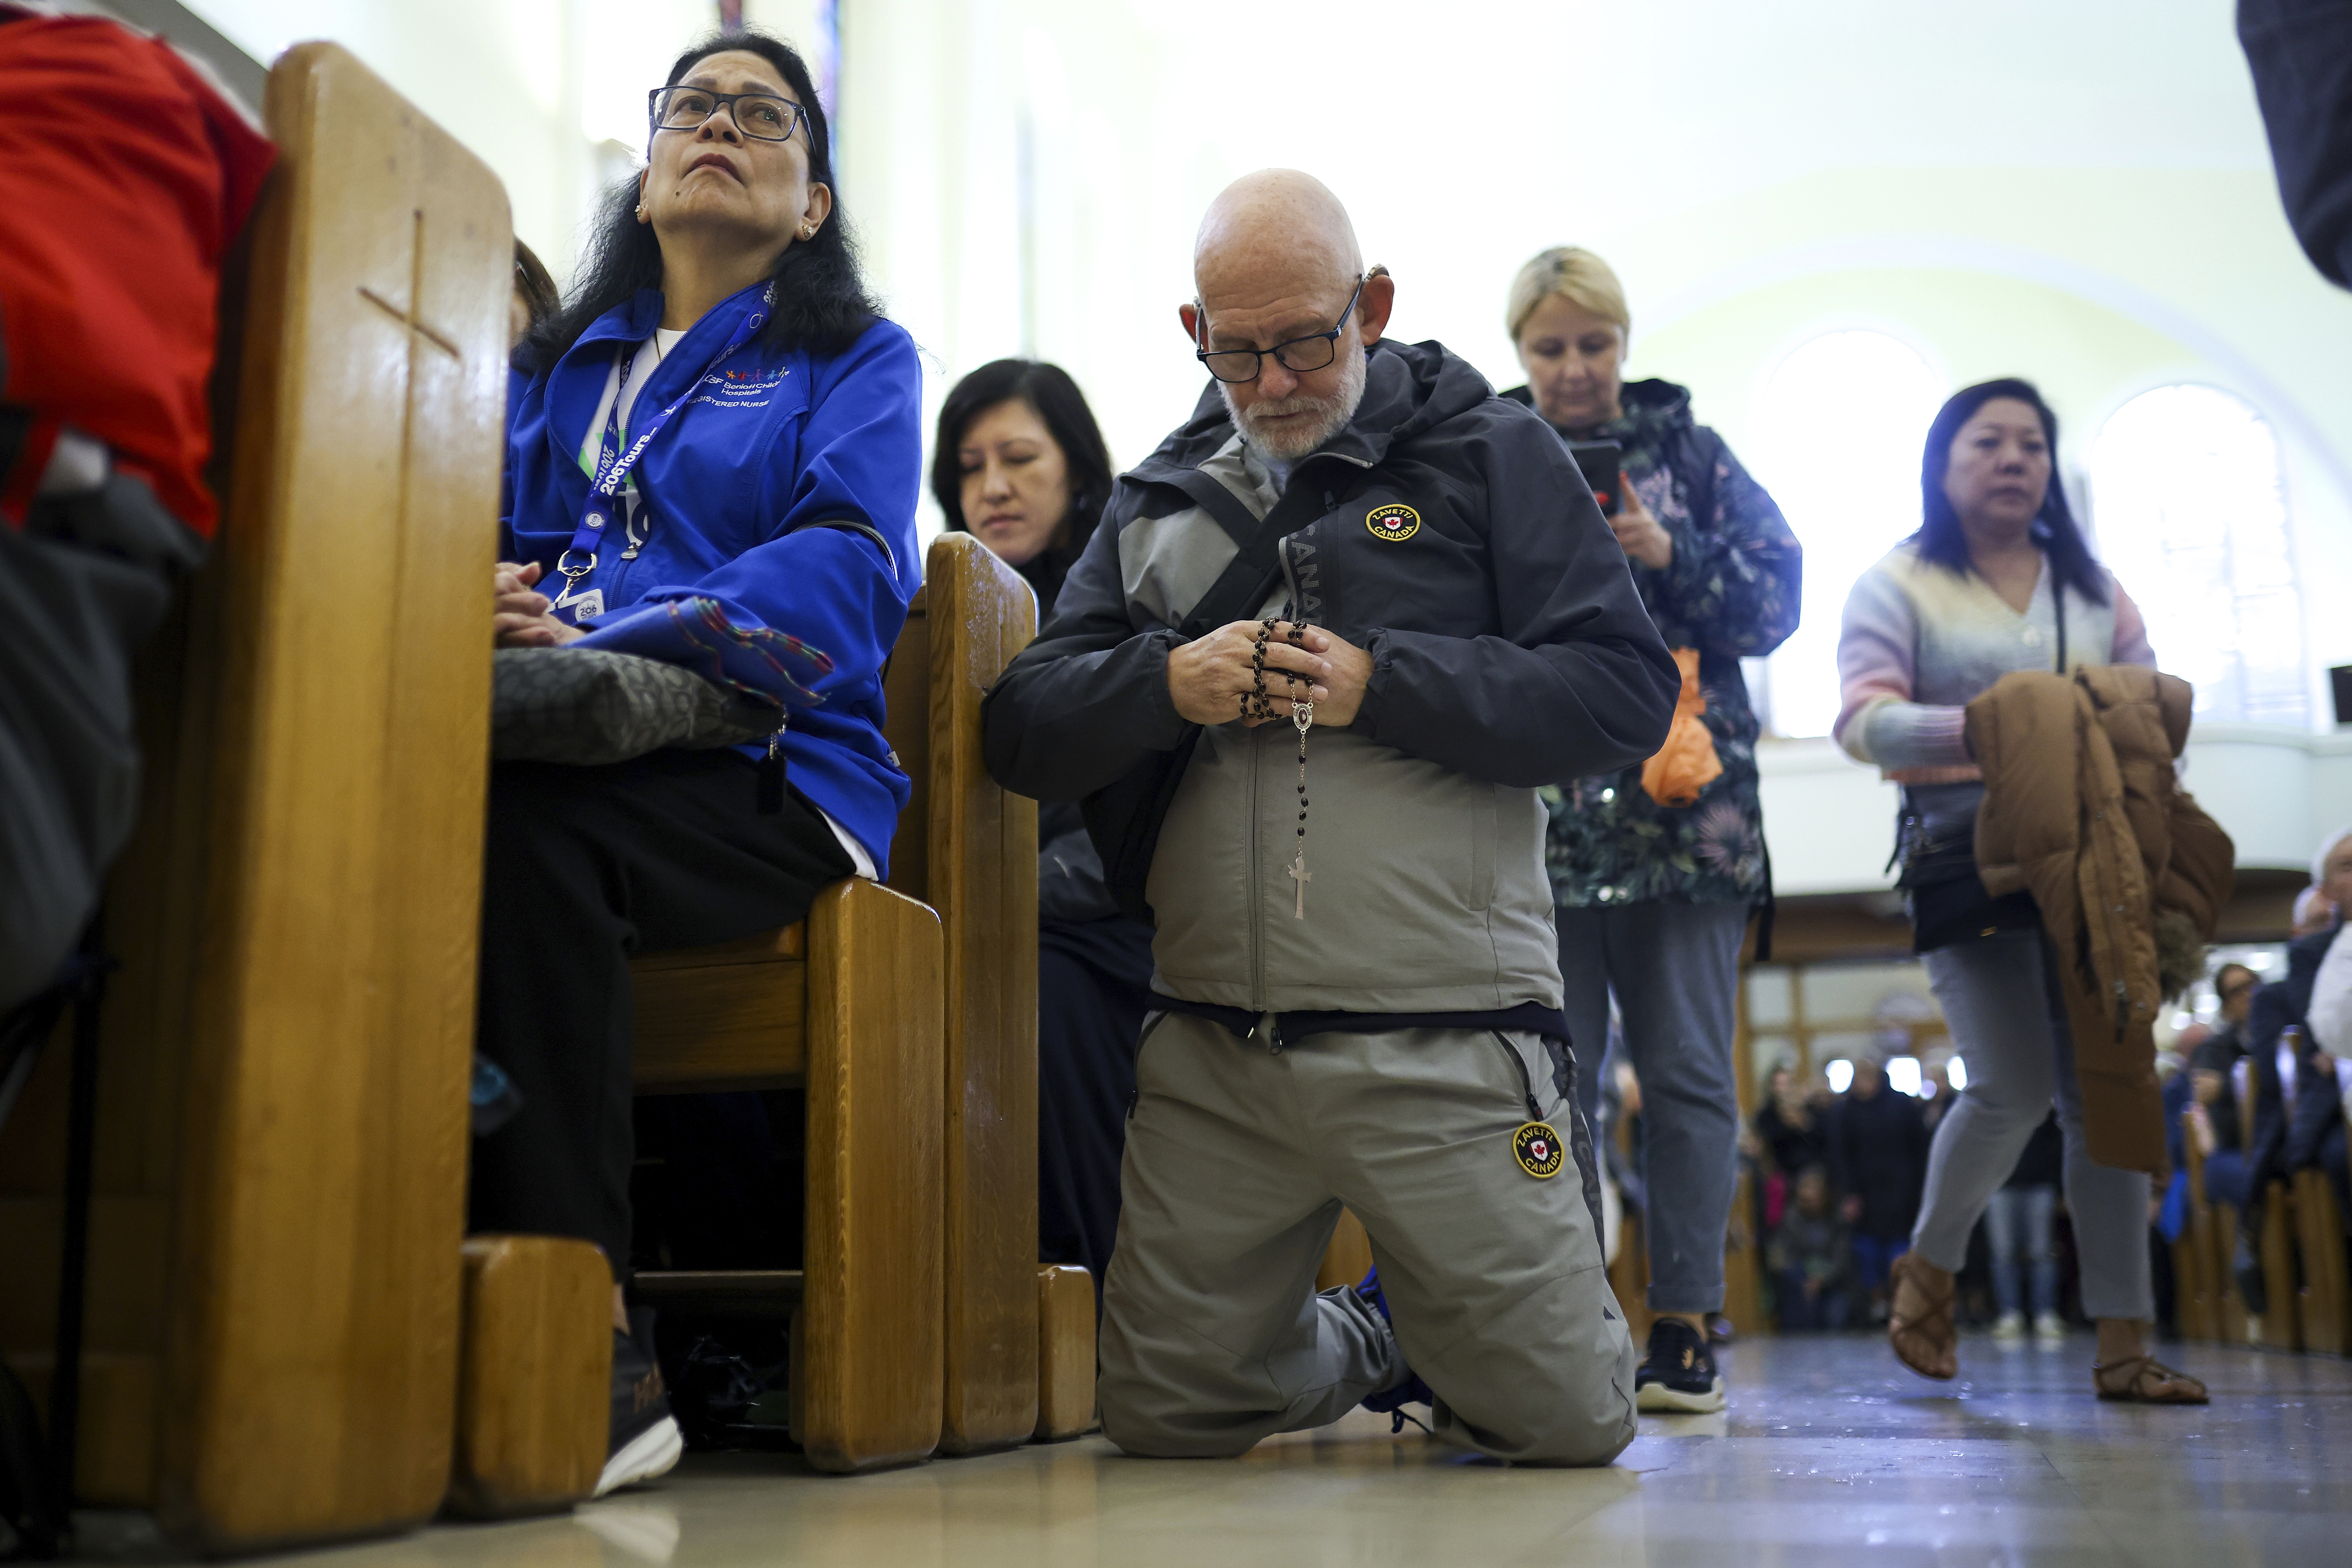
{"x":124,"y":176}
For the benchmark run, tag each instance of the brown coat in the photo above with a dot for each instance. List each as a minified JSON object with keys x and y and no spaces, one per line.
{"x":2083,"y":809}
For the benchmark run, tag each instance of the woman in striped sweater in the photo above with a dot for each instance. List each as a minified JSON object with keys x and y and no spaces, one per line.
{"x":1998,"y":578}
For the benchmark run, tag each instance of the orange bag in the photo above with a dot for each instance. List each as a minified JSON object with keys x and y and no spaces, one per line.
{"x":1686,"y":763}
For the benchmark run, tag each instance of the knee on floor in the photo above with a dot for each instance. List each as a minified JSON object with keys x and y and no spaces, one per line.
{"x":1572,"y":1430}
{"x":1533,"y":1392}
{"x":1150,"y":1436}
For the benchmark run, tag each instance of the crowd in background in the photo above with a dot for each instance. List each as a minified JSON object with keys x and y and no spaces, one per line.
{"x":1837,"y":1180}
{"x":2263,"y":1092}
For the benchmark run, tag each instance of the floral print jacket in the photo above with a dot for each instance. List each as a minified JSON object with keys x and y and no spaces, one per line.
{"x":1732,"y":591}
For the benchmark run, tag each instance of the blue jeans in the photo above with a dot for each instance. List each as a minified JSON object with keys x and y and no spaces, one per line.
{"x":2226,"y":1178}
{"x":1672,"y":968}
{"x":2017,"y":1224}
{"x":1874,"y":1256}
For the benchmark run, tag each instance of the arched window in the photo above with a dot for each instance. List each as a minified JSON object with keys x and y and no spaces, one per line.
{"x":1835,"y":437}
{"x":2191,"y":515}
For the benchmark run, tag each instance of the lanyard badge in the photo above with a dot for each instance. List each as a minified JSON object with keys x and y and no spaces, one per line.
{"x":605,"y":500}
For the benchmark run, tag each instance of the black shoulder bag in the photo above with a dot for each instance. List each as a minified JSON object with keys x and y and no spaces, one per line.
{"x":1123,"y":817}
{"x":1948,"y":900}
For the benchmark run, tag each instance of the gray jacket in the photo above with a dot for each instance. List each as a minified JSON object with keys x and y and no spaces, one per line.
{"x":1509,"y":650}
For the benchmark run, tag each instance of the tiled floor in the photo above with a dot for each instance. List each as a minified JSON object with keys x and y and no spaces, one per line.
{"x":1830,"y":1453}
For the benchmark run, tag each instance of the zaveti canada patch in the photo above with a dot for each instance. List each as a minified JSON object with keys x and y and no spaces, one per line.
{"x":1538,"y":1150}
{"x":1394,"y":521}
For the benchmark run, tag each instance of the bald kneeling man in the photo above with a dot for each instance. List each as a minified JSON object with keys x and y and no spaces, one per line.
{"x":1357,"y":608}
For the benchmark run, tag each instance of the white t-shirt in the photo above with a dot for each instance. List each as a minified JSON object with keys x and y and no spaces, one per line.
{"x":2330,"y":1016}
{"x":651,"y":353}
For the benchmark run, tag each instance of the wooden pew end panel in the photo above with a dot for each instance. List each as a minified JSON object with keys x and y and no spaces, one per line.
{"x":2326,"y":1295}
{"x":871,"y":1322}
{"x":1065,"y":1353}
{"x":535,"y":1371}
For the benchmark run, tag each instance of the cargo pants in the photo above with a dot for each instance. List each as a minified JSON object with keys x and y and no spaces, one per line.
{"x":1239,"y":1156}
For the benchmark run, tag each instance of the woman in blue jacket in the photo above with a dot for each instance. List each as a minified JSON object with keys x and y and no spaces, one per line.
{"x":719,"y":428}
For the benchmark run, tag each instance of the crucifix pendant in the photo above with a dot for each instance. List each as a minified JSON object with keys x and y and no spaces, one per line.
{"x":1299,"y":874}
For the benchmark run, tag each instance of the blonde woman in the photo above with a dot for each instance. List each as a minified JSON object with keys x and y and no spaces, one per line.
{"x":1653,"y":898}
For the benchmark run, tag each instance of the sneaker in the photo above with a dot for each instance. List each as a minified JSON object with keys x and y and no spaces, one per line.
{"x":1679,"y":1373}
{"x":645,"y":1440}
{"x":2050,"y":1328}
{"x":1411,"y":1391}
{"x":2008,"y":1326}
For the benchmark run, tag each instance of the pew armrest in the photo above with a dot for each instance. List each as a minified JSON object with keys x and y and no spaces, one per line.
{"x":535,"y":1373}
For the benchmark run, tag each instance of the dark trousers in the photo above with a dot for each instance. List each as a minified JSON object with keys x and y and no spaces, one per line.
{"x":1675,"y":970}
{"x":584,"y":868}
{"x":1800,"y":1313}
{"x":1874,"y":1256}
{"x":82,"y":586}
{"x":1094,"y":985}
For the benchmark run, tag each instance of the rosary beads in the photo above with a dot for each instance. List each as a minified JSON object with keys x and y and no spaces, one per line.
{"x":1256,"y":704}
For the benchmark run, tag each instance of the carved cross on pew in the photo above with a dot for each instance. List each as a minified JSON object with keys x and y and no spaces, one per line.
{"x":409,"y":318}
{"x":417,"y":328}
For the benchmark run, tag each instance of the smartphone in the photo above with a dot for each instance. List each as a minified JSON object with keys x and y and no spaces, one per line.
{"x":1602,"y":465}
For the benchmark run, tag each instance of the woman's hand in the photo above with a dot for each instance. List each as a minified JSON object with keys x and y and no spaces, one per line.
{"x":1208,"y":678}
{"x":519,"y":616}
{"x":1640,"y":535}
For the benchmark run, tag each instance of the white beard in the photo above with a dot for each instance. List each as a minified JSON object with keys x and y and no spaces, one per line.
{"x":1288,"y":443}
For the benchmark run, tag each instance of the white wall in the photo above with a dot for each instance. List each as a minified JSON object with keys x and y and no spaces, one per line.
{"x":1831,"y":821}
{"x":532,"y":87}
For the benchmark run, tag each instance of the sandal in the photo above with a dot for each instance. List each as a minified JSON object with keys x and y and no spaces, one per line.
{"x":1926,"y":1343}
{"x":2144,"y":1380}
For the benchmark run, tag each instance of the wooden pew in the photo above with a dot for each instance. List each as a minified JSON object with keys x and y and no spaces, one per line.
{"x":2196,"y":1286}
{"x":1743,"y":1261}
{"x":1628,"y":1275}
{"x":2236,"y":1323}
{"x":274,"y":1284}
{"x":2275,"y":1328}
{"x":848,"y":1005}
{"x":535,"y":1375}
{"x":978,"y":867}
{"x":1347,"y":1257}
{"x":939,"y":1348}
{"x":2280,"y":1328}
{"x":1066,"y":1353}
{"x":2326,"y":1296}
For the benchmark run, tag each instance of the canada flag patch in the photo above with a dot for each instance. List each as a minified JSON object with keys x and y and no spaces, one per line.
{"x":1538,"y":1150}
{"x":1394,"y":521}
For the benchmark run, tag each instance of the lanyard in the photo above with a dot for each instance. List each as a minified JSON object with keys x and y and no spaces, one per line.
{"x":613,"y":467}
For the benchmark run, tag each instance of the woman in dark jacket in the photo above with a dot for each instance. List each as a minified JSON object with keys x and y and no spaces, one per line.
{"x":1653,"y":898}
{"x":716,"y":457}
{"x":1021,"y":465}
